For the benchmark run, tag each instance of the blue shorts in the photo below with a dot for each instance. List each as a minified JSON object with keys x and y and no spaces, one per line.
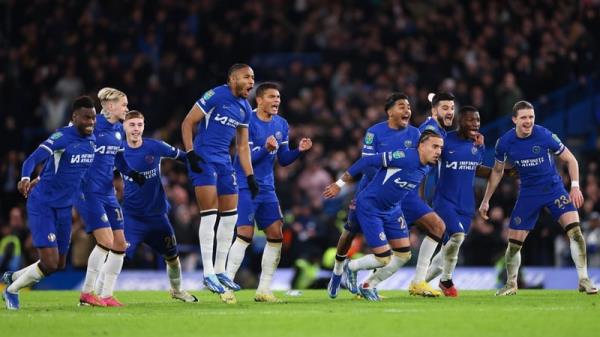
{"x":49,"y":226}
{"x":379,"y":227}
{"x":414,"y":208}
{"x":264,"y":209}
{"x":527,"y":208}
{"x":215,"y":174}
{"x":155,"y":231}
{"x":99,"y":211}
{"x":456,"y":222}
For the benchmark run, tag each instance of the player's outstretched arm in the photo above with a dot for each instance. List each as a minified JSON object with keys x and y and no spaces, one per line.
{"x":334,"y":189}
{"x":494,"y":180}
{"x":573,"y":167}
{"x":285,"y":156}
{"x":38,"y":156}
{"x":359,"y":167}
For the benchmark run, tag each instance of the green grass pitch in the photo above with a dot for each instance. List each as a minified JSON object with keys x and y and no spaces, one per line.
{"x":152,"y":313}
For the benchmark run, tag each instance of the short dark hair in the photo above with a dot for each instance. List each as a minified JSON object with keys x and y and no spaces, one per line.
{"x":133,"y":114}
{"x":83,"y":102}
{"x":235,"y":68}
{"x":441,"y":96}
{"x":428,"y":134}
{"x":392,"y":99}
{"x":466,"y":109}
{"x":260,"y":90}
{"x":521,"y":105}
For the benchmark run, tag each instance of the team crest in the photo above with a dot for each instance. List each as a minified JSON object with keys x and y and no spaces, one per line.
{"x":104,"y":217}
{"x":517,"y":220}
{"x":536,"y":149}
{"x":251,"y":217}
{"x":242,"y":113}
{"x":278,"y":136}
{"x":474,"y":150}
{"x":118,"y":135}
{"x":51,"y":237}
{"x":149,"y":159}
{"x":398,"y":154}
{"x":382,"y":236}
{"x":407,"y":143}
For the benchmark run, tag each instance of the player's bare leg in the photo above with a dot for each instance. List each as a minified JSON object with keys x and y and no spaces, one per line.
{"x":570,"y":222}
{"x":270,"y":261}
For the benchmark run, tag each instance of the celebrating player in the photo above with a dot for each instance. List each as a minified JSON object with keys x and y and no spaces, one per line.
{"x":530,"y":148}
{"x":49,"y":204}
{"x":376,"y":206}
{"x":221,"y":115}
{"x":145,"y":207}
{"x":268,"y":134}
{"x":454,"y":199}
{"x":98,"y":205}
{"x":393,"y":134}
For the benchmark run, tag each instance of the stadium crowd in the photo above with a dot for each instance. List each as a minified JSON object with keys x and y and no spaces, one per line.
{"x":336,"y":61}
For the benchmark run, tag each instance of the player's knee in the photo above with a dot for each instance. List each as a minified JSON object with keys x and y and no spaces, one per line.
{"x":574,"y":232}
{"x":384,"y":258}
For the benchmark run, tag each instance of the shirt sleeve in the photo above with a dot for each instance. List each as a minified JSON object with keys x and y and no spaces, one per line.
{"x":207,"y":101}
{"x":376,"y":160}
{"x":394,"y":158}
{"x":38,"y":156}
{"x":167,"y":151}
{"x":121,"y":163}
{"x":246,"y":118}
{"x":369,"y":144}
{"x":285,"y":156}
{"x":553,"y":142}
{"x":500,"y":152}
{"x":57,"y":141}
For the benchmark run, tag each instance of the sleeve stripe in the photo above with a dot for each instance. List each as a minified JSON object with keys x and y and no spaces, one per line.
{"x":560,"y":150}
{"x":243,"y":125}
{"x":384,"y":160}
{"x":256,"y":148}
{"x":250,"y":143}
{"x":200,"y":107}
{"x":501,"y":161}
{"x":368,"y":154}
{"x":286,"y":142}
{"x":46,"y":148}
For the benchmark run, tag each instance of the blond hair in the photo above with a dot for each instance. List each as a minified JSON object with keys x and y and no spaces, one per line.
{"x":109,"y":94}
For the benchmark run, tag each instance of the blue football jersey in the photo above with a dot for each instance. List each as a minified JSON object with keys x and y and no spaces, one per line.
{"x":263,"y":161}
{"x":459,"y":161}
{"x":224,"y":113}
{"x":432,"y":178}
{"x":71,"y":156}
{"x":401,"y":173}
{"x":109,"y":141}
{"x":533,"y":158}
{"x":381,"y":138}
{"x":150,"y":198}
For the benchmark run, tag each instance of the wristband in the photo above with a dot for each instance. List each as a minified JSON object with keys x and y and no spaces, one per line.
{"x":25,"y":178}
{"x":575,"y":183}
{"x":340,"y":183}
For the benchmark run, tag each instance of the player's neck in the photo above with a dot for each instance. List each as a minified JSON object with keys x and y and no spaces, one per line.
{"x":264,"y":116}
{"x":393,"y":125}
{"x":112,"y":119}
{"x":522,"y":135}
{"x":134,"y":145}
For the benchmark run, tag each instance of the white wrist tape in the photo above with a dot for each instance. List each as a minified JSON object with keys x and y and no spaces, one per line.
{"x":340,"y":183}
{"x":575,"y":183}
